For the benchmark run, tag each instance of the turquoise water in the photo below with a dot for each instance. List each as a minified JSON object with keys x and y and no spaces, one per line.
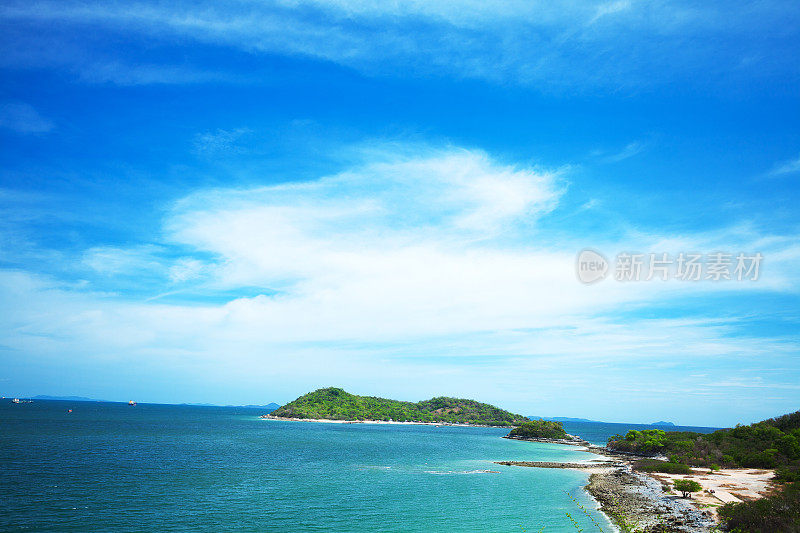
{"x":111,"y":467}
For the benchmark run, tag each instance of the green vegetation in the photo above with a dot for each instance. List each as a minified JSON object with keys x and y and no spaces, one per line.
{"x":686,"y":486}
{"x":773,"y":443}
{"x":335,"y":404}
{"x":788,"y":474}
{"x":654,"y":465}
{"x":645,"y":442}
{"x":539,"y":429}
{"x":779,"y":512}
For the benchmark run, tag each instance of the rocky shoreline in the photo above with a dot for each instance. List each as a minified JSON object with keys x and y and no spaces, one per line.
{"x":548,"y":464}
{"x":634,"y":501}
{"x":570,"y":440}
{"x":637,"y":501}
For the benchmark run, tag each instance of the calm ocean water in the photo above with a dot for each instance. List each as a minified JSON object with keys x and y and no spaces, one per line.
{"x":111,"y":467}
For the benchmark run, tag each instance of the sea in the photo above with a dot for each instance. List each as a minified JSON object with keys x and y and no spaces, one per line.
{"x":114,"y":467}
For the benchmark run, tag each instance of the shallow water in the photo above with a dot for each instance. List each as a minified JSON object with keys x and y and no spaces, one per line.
{"x":108,"y":466}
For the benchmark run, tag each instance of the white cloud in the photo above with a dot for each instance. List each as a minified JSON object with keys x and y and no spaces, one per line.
{"x":186,"y":269}
{"x":128,"y":74}
{"x":610,"y":8}
{"x":23,"y":118}
{"x":441,"y":243}
{"x":219,"y":141}
{"x":108,"y":260}
{"x":788,"y":167}
{"x":631,"y":149}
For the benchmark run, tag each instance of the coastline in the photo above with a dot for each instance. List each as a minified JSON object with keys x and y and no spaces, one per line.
{"x":644,"y":501}
{"x":629,"y":499}
{"x":570,"y":440}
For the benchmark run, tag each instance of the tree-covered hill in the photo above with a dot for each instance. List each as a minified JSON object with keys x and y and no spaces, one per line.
{"x":336,"y":404}
{"x":539,"y":429}
{"x":773,"y":443}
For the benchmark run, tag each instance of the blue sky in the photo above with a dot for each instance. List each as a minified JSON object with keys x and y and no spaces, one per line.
{"x":236,"y":202}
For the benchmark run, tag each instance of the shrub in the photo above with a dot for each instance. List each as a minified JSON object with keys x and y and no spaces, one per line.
{"x":788,"y":474}
{"x":780,"y":512}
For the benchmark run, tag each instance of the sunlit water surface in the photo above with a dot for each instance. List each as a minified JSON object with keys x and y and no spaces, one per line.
{"x":111,"y":467}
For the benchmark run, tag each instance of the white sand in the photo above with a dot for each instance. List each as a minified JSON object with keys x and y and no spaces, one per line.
{"x":730,"y":485}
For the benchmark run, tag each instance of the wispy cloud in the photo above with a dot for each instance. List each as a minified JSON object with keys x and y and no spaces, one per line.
{"x":131,"y":74}
{"x":137,"y":260}
{"x":552,"y":45}
{"x":630,"y":150}
{"x":23,"y":118}
{"x":610,"y":8}
{"x":219,"y":141}
{"x":787,"y":167}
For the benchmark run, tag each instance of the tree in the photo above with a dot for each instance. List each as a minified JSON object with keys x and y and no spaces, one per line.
{"x":686,"y":486}
{"x":539,"y":429}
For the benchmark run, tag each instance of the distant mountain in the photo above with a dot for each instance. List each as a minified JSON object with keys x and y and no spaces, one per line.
{"x":584,"y":420}
{"x":561,"y":419}
{"x":269,"y":407}
{"x":66,"y":398}
{"x":336,"y":404}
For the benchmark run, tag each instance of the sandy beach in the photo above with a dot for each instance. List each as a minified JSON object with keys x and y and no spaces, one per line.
{"x":725,"y":486}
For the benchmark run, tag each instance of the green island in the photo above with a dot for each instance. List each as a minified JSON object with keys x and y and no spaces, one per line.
{"x":539,"y":429}
{"x":333,"y":403}
{"x":769,"y":444}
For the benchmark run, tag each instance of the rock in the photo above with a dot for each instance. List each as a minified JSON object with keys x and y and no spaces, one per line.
{"x":632,"y":497}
